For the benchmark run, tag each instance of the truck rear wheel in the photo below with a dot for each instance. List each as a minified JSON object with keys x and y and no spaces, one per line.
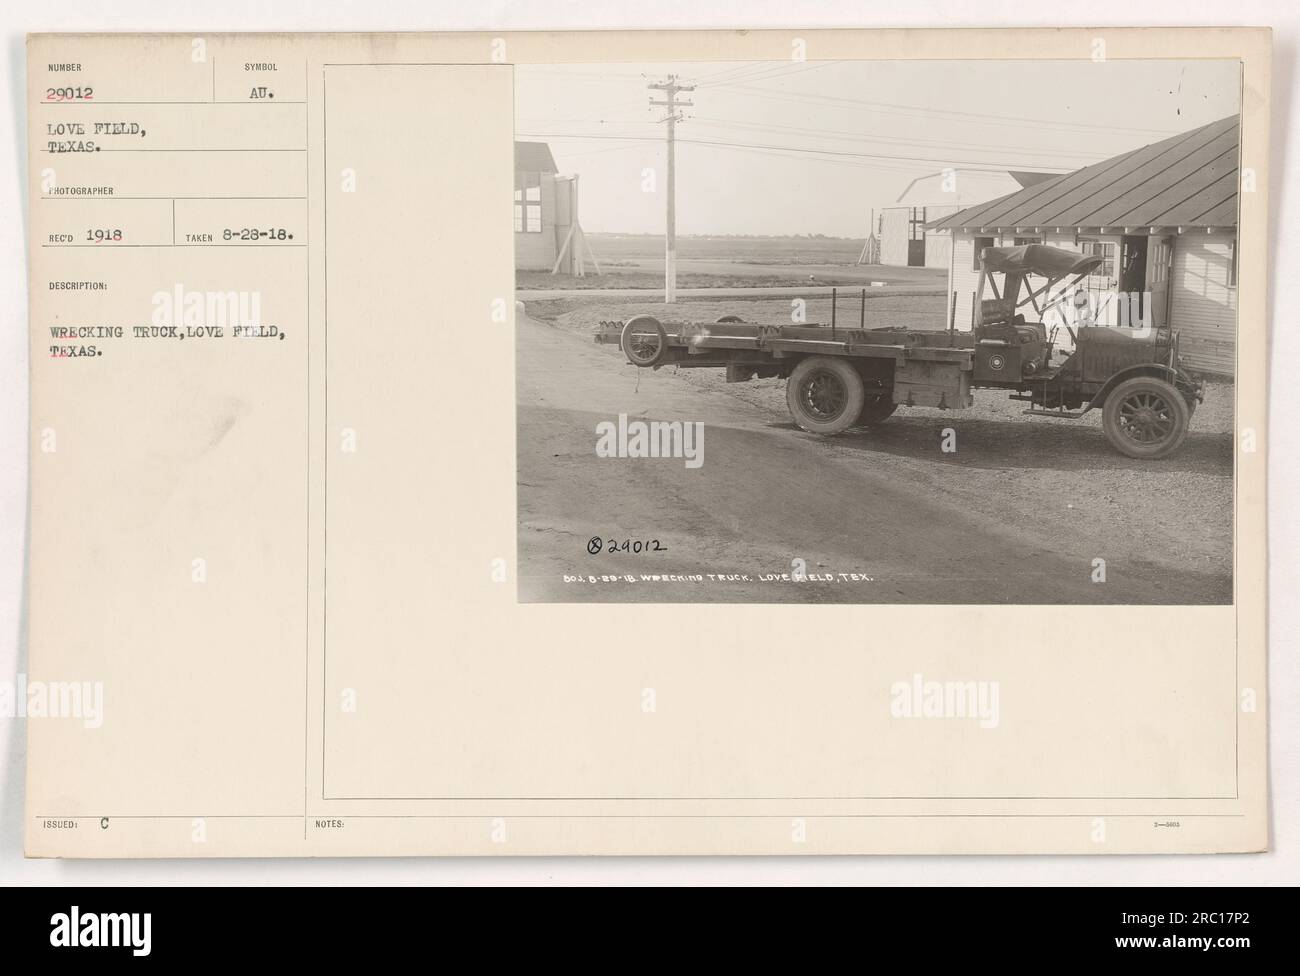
{"x":876,"y":410}
{"x":825,"y":394}
{"x":1145,"y":417}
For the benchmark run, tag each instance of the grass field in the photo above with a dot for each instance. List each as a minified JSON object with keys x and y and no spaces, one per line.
{"x":583,"y":315}
{"x":637,"y":261}
{"x":614,"y":248}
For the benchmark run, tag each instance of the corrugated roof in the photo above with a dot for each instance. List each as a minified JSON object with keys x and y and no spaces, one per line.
{"x":534,"y":157}
{"x":1187,"y":180}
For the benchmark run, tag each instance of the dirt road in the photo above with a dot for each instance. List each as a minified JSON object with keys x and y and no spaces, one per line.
{"x":874,"y":517}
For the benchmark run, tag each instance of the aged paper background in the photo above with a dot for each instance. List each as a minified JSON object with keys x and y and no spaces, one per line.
{"x":482,"y":725}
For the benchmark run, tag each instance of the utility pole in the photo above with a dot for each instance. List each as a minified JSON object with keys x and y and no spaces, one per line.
{"x":670,"y":88}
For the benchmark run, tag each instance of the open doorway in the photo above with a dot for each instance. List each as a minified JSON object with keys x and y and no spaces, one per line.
{"x":1133,"y":279}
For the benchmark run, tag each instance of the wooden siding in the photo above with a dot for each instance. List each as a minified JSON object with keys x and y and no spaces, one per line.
{"x":1203,"y":305}
{"x":938,"y":244}
{"x":536,"y":251}
{"x":937,"y":248}
{"x":962,"y":280}
{"x":893,"y":236}
{"x":895,"y":232}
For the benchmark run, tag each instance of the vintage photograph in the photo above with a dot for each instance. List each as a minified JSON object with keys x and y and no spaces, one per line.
{"x":869,"y":464}
{"x":877,"y":331}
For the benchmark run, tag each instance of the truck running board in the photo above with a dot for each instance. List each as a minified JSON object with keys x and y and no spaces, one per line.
{"x":1068,"y":415}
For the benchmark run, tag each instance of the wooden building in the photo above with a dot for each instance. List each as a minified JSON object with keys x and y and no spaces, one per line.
{"x":1165,"y":218}
{"x":902,"y":230}
{"x":548,"y":236}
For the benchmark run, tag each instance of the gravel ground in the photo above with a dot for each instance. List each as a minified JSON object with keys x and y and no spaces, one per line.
{"x":1176,"y":511}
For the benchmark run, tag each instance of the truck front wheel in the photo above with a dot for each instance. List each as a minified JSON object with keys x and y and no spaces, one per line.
{"x":1145,"y":417}
{"x":825,"y":394}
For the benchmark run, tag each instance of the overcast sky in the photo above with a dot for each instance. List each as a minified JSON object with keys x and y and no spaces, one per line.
{"x":790,"y":148}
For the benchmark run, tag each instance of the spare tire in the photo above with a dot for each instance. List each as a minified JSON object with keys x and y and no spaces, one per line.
{"x":644,"y":341}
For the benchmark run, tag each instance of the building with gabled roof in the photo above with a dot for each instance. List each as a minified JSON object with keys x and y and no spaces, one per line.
{"x":548,"y":236}
{"x":1163,"y":216}
{"x":901,"y":229}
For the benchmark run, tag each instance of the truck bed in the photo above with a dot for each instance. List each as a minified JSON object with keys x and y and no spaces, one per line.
{"x":711,"y":344}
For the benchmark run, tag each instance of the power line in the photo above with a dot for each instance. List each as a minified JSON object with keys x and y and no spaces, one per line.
{"x":838,"y":135}
{"x":596,"y":152}
{"x":526,"y":122}
{"x":923,"y":112}
{"x":1068,"y":158}
{"x":874,"y":167}
{"x":766,"y":72}
{"x":844,"y":136}
{"x":738,"y":66}
{"x":969,"y":164}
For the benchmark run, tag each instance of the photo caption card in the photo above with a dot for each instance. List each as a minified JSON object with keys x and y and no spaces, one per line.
{"x":772,"y":442}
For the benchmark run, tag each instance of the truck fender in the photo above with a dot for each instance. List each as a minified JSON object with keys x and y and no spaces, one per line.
{"x":1183,"y":382}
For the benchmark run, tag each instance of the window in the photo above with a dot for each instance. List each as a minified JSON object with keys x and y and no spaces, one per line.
{"x":1158,"y":263}
{"x":528,"y":203}
{"x":980,"y":244}
{"x":1028,"y":240}
{"x":1107,"y":250}
{"x":1232,"y":263}
{"x":916,"y":224}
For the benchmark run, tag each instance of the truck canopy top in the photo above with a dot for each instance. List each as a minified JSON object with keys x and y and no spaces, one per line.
{"x":1039,"y":259}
